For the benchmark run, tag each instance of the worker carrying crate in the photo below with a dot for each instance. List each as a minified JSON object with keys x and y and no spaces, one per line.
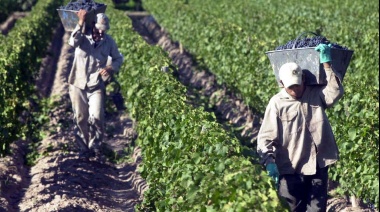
{"x":296,"y":143}
{"x":96,"y":60}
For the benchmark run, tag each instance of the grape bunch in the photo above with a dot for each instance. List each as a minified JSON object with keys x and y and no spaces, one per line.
{"x":309,"y":42}
{"x":87,"y":5}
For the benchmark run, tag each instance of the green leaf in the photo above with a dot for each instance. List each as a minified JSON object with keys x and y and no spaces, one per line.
{"x":352,"y":134}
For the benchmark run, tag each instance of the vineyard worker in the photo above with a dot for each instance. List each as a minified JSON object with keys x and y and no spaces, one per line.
{"x":93,"y":47}
{"x":295,"y":141}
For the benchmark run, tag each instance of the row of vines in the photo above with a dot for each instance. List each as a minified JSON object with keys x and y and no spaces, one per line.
{"x":231,"y":38}
{"x":189,"y":161}
{"x":10,"y":6}
{"x":20,"y":58}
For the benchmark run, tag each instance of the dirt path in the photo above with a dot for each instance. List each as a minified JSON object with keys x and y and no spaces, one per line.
{"x":61,"y":181}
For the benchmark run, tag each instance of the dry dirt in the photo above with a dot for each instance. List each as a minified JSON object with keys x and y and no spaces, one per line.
{"x":61,"y":181}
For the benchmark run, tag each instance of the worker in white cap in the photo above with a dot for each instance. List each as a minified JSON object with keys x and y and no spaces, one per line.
{"x":96,"y":58}
{"x":295,"y":141}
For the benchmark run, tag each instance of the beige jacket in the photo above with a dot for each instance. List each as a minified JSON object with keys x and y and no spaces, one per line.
{"x":89,"y":59}
{"x":296,"y":134}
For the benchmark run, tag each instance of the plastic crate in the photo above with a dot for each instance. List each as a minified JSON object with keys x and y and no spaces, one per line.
{"x":70,"y":19}
{"x":308,"y":59}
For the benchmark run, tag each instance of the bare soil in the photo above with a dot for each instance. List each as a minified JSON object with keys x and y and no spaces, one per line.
{"x":62,"y":181}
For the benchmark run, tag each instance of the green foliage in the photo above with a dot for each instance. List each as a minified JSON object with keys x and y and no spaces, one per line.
{"x":230,"y":38}
{"x":26,"y":4}
{"x":357,"y":128}
{"x":10,"y":6}
{"x":189,"y":161}
{"x":129,"y":5}
{"x":20,"y":54}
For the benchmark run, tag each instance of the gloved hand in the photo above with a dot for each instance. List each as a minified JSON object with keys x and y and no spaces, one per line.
{"x":324,"y":52}
{"x":273,"y":172}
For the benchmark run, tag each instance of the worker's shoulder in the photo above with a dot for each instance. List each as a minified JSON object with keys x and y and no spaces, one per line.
{"x":276,"y":99}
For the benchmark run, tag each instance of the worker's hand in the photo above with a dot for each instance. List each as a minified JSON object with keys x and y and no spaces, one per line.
{"x":107,"y":71}
{"x":82,"y":16}
{"x":324,"y":52}
{"x":273,"y":172}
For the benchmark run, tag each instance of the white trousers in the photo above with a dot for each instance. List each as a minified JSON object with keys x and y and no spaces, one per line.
{"x":88,"y":108}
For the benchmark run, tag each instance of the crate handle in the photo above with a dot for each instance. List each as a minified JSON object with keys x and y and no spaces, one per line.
{"x":302,"y":34}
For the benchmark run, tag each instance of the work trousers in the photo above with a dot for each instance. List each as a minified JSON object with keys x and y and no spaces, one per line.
{"x":88,"y":108}
{"x":305,"y":192}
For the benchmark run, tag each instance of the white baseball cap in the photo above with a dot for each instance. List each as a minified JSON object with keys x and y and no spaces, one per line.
{"x":290,"y":74}
{"x":102,"y":22}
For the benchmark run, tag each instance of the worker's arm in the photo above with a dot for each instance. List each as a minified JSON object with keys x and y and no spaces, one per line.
{"x":333,"y":91}
{"x":78,"y":33}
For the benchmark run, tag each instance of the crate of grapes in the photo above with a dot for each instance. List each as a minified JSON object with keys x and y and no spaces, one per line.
{"x":69,"y":17}
{"x":302,"y":51}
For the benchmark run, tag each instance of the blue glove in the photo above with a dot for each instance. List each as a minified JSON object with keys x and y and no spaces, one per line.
{"x":273,"y":172}
{"x":324,"y":52}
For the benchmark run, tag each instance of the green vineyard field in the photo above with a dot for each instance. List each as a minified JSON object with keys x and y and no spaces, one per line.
{"x":190,"y":161}
{"x":231,"y":38}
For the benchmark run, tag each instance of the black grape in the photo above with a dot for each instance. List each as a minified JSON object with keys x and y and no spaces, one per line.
{"x":87,"y":5}
{"x":308,"y":42}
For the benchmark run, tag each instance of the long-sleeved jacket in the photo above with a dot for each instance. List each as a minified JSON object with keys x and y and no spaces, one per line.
{"x":296,"y":133}
{"x":89,"y":59}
